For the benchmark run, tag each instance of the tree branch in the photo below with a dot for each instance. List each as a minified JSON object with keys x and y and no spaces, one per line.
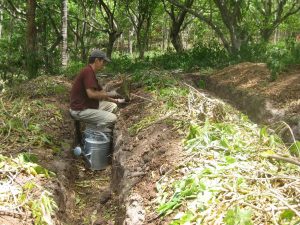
{"x":209,"y":22}
{"x":286,"y":159}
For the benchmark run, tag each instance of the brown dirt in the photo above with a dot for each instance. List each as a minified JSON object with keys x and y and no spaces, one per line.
{"x":154,"y":150}
{"x":255,"y":78}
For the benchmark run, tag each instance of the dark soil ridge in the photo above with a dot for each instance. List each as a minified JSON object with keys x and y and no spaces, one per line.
{"x":261,"y":107}
{"x":139,"y":161}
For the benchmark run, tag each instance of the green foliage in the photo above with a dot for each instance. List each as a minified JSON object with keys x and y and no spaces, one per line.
{"x":153,"y":80}
{"x":231,"y":137}
{"x":29,"y":163}
{"x":42,"y":209}
{"x":183,"y":218}
{"x":187,"y":188}
{"x":238,"y":216}
{"x":287,"y":215}
{"x":221,"y":161}
{"x":151,"y":35}
{"x":295,"y":149}
{"x":201,"y":84}
{"x":41,"y":87}
{"x":253,"y":52}
{"x":28,"y":157}
{"x":25,"y":121}
{"x":125,"y":63}
{"x":28,"y":195}
{"x":145,"y":122}
{"x":202,"y":56}
{"x":171,"y":95}
{"x":11,"y":60}
{"x":281,"y":55}
{"x":278,"y":58}
{"x":72,"y":69}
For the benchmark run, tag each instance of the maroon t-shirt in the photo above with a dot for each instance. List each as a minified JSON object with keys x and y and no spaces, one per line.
{"x":86,"y":79}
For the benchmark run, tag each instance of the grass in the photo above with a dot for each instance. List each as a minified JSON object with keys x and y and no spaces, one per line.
{"x":23,"y":195}
{"x":28,"y":125}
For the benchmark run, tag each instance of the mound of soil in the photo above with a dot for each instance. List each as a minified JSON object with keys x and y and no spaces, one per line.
{"x":255,"y":78}
{"x":248,"y":87}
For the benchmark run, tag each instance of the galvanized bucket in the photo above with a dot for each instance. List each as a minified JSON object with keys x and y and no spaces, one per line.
{"x":96,"y":134}
{"x":96,"y":150}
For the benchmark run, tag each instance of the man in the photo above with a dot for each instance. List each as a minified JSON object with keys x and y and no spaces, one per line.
{"x":86,"y":94}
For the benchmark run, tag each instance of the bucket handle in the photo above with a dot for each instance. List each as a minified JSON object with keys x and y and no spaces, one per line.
{"x":103,"y":135}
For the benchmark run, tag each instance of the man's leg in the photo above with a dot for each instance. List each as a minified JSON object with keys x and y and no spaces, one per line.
{"x":96,"y":117}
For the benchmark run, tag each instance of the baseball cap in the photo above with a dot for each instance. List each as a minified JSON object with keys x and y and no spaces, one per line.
{"x":99,"y":54}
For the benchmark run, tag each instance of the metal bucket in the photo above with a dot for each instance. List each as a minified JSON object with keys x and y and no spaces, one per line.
{"x":96,"y":134}
{"x":96,"y":150}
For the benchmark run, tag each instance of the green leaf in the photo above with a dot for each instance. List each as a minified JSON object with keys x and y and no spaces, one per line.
{"x":238,"y":216}
{"x":201,"y":84}
{"x":230,"y":159}
{"x":263,"y":132}
{"x":183,"y":218}
{"x":164,"y":208}
{"x":295,"y":149}
{"x":224,"y":143}
{"x":287,"y":215}
{"x":239,"y":181}
{"x":267,"y":153}
{"x":27,"y":157}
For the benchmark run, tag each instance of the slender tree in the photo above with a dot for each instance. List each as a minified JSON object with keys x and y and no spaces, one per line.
{"x":31,"y":40}
{"x":140,"y":13}
{"x":177,"y":17}
{"x":1,"y":16}
{"x":64,"y":30}
{"x":272,"y":14}
{"x":112,"y":29}
{"x":232,"y":31}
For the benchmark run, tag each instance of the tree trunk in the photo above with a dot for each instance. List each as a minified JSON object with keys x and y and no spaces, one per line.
{"x":31,"y":36}
{"x":112,"y":37}
{"x":176,"y":38}
{"x":1,"y":23}
{"x":140,"y":44}
{"x":64,"y":54}
{"x":83,"y":50}
{"x":44,"y":44}
{"x":130,"y":42}
{"x":165,"y":34}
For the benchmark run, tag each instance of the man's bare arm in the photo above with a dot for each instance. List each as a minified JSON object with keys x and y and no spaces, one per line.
{"x":100,"y":95}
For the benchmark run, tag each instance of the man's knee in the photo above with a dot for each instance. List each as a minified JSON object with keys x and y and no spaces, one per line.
{"x":114,"y":107}
{"x":113,"y":117}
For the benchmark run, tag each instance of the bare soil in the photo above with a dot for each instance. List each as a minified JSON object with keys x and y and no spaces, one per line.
{"x":255,"y":78}
{"x":152,"y":152}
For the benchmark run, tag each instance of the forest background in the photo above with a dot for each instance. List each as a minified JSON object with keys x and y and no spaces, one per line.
{"x":53,"y":37}
{"x":43,"y":38}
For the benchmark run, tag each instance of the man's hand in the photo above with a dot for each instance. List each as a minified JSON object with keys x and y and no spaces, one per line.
{"x":120,"y":100}
{"x":113,"y":94}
